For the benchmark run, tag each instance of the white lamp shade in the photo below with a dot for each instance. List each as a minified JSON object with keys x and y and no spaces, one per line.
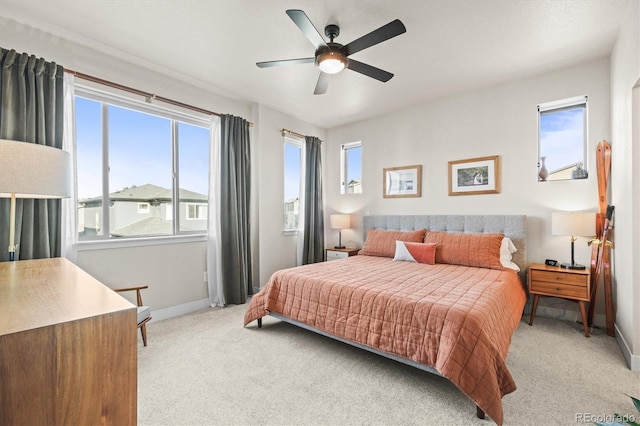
{"x":31,"y":170}
{"x":340,"y":221}
{"x":573,"y":223}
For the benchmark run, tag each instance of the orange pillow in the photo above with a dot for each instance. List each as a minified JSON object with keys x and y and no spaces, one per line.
{"x":383,"y":243}
{"x":416,"y":252}
{"x":480,"y":250}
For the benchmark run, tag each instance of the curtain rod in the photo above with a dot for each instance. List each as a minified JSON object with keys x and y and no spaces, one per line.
{"x":291,"y":132}
{"x":149,"y":96}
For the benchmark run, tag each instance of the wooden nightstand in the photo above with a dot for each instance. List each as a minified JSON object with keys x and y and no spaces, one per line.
{"x":334,"y":253}
{"x":556,"y":281}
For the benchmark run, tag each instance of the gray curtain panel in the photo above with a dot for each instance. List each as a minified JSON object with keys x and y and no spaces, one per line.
{"x":313,"y":244}
{"x":235,"y":192}
{"x":31,"y":110}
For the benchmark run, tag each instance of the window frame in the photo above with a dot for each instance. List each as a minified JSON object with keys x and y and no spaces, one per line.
{"x":298,"y":143}
{"x":344,"y":167}
{"x":106,"y":98}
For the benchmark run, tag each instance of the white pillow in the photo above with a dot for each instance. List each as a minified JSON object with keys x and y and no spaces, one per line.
{"x":506,"y":248}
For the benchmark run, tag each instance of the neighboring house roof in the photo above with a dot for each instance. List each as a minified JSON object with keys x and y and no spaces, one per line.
{"x":148,"y":193}
{"x":147,"y":226}
{"x":563,"y":173}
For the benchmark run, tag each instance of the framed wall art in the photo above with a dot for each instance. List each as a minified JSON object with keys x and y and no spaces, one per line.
{"x":402,"y":182}
{"x":475,"y":176}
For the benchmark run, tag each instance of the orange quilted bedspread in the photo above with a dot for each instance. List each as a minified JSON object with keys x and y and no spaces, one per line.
{"x":456,"y":319}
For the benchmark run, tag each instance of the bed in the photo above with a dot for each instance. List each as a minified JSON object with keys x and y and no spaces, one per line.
{"x":440,"y":293}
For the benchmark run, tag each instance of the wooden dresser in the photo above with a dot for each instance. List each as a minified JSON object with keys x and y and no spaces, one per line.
{"x":68,"y":348}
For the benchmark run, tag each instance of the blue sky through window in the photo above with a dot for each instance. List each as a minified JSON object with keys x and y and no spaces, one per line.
{"x":354,"y":162}
{"x":139,"y":150}
{"x":562,"y":137}
{"x":89,"y":148}
{"x":292,"y":171}
{"x":194,"y":157}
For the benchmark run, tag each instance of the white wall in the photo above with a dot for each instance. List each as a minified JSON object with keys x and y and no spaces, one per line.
{"x":625,"y":166}
{"x":120,"y":69}
{"x":277,"y":250}
{"x":500,"y":120}
{"x":174,"y":272}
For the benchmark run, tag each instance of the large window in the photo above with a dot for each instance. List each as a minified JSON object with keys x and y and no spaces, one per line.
{"x":351,"y":168}
{"x":292,"y":179}
{"x":136,"y":156}
{"x":562,"y":139}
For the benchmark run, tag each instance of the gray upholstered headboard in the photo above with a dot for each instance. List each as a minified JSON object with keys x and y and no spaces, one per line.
{"x":512,"y":226}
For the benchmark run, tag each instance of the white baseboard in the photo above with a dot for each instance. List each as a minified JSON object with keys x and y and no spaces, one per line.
{"x":174,"y":311}
{"x":633,"y":361}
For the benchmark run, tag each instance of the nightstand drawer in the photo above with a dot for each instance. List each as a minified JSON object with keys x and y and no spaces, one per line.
{"x":559,"y":289}
{"x":555,"y":277}
{"x":336,"y":253}
{"x":333,"y":255}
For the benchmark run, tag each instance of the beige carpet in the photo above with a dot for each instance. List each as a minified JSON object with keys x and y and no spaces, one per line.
{"x":206,"y":369}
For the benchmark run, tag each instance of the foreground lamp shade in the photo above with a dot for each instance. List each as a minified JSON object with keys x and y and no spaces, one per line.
{"x":340,"y":222}
{"x":29,"y":170}
{"x":573,"y":224}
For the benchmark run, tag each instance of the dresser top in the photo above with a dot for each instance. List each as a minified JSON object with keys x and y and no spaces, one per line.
{"x":39,"y":293}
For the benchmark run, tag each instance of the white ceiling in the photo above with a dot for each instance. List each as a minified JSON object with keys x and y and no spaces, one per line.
{"x":450,"y":45}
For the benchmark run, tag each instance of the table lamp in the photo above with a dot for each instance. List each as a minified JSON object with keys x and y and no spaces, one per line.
{"x":340,"y":222}
{"x":30,"y":170}
{"x":574,"y":224}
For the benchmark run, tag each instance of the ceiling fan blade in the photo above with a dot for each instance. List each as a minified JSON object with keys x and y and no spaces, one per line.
{"x":322,"y":84}
{"x":304,"y":23}
{"x":267,"y":64}
{"x":385,"y":32}
{"x":369,"y":71}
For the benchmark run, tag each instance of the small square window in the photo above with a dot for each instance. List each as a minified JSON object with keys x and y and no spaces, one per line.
{"x":143,"y":208}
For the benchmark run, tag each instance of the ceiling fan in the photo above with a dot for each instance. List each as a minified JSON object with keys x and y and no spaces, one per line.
{"x":332,"y":57}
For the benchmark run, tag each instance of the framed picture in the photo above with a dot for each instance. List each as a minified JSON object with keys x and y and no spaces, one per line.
{"x":475,"y":176}
{"x":402,"y":182}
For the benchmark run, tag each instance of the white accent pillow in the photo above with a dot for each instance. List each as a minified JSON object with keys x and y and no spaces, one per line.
{"x":506,"y":248}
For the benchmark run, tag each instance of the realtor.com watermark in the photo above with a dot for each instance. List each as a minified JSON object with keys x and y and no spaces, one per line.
{"x":605,"y":418}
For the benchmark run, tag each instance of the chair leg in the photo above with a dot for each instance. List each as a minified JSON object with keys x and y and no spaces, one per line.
{"x":143,"y":331}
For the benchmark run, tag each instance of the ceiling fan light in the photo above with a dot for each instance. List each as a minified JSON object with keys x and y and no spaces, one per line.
{"x":331,"y":62}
